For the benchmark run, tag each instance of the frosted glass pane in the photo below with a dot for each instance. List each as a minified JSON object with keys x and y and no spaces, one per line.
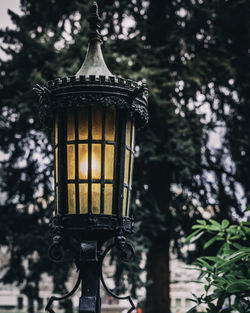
{"x":96,"y":161}
{"x":71,"y":199}
{"x":128,"y":132}
{"x":71,"y":126}
{"x":110,"y":124}
{"x":83,"y":198}
{"x":71,"y":161}
{"x":125,"y":192}
{"x":96,"y":123}
{"x":56,"y":130}
{"x":83,"y":123}
{"x":131,"y":170}
{"x":83,"y":161}
{"x":96,"y":198}
{"x":56,"y":163}
{"x":109,"y":161}
{"x":126,"y":172}
{"x":108,"y":198}
{"x":57,"y":209}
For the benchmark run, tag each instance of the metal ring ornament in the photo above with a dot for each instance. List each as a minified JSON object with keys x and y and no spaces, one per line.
{"x":109,"y":248}
{"x":56,"y":252}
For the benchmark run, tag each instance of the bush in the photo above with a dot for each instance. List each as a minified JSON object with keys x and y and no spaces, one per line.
{"x":227,"y":275}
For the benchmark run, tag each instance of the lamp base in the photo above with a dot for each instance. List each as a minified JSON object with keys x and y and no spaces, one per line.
{"x":97,"y":226}
{"x":89,"y":264}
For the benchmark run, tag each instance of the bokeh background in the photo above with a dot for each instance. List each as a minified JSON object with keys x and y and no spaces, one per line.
{"x":192,"y":159}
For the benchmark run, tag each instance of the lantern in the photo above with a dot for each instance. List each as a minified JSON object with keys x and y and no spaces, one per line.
{"x":94,"y":115}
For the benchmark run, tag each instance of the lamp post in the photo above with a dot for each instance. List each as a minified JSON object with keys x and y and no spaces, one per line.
{"x":94,"y":115}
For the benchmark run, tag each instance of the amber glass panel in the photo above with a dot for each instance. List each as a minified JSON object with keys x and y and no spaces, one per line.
{"x":71,"y":161}
{"x":83,"y":161}
{"x":109,"y":161}
{"x":97,"y":123}
{"x":83,"y":198}
{"x":124,"y":206}
{"x":133,"y":135}
{"x":56,"y":163}
{"x":126,"y":173}
{"x":96,"y":198}
{"x":131,"y":169}
{"x":108,"y":198}
{"x":57,"y":209}
{"x":96,"y":161}
{"x":83,"y":124}
{"x":128,"y":208}
{"x":71,"y":126}
{"x":128,"y":133}
{"x":71,"y":199}
{"x":110,"y":124}
{"x":56,"y":130}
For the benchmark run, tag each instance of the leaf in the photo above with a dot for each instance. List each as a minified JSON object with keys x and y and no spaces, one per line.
{"x":192,"y":310}
{"x":247,"y":208}
{"x":202,"y":274}
{"x":189,"y":299}
{"x":213,"y":228}
{"x":215,"y":223}
{"x":191,"y":236}
{"x":211,"y":306}
{"x":221,"y":301}
{"x":212,"y":297}
{"x":202,"y":222}
{"x":198,"y":227}
{"x":239,"y":286}
{"x":205,"y":264}
{"x":225,"y":223}
{"x":212,"y":258}
{"x":210,"y":242}
{"x":206,"y":287}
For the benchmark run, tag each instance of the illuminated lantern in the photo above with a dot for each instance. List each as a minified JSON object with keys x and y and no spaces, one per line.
{"x":94,"y":115}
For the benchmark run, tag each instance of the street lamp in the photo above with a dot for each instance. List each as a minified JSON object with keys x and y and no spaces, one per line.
{"x":94,"y":115}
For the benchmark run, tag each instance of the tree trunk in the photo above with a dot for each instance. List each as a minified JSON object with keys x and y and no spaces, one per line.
{"x":158,"y":292}
{"x":30,"y":304}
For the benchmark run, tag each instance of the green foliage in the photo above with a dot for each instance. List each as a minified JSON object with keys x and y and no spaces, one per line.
{"x":227,"y":274}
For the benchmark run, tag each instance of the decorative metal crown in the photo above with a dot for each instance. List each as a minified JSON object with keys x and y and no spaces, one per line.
{"x":94,"y":84}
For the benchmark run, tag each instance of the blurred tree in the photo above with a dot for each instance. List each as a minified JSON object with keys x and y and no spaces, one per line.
{"x":193,"y":57}
{"x":26,"y":160}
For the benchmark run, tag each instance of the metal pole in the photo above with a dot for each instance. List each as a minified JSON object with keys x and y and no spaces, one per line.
{"x":90,"y":301}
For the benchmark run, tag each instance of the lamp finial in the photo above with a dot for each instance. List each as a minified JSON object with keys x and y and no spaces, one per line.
{"x":95,"y":23}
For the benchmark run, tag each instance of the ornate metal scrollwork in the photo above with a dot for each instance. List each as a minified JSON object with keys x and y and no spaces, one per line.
{"x":55,"y":251}
{"x":53,"y":298}
{"x":121,"y":244}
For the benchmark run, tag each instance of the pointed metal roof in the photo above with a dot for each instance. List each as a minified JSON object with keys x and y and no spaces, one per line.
{"x":94,"y":63}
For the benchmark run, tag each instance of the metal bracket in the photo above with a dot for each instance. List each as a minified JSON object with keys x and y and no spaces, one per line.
{"x":88,"y":251}
{"x":120,"y":244}
{"x":53,"y":298}
{"x":87,"y":305}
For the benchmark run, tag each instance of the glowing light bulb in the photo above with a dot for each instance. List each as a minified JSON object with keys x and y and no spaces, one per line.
{"x":95,"y":167}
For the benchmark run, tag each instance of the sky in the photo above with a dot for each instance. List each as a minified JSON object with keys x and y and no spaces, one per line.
{"x":5,"y":20}
{"x":4,"y":6}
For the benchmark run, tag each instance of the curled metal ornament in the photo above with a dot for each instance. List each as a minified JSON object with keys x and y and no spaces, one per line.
{"x":122,"y":247}
{"x":56,"y":252}
{"x":53,"y":298}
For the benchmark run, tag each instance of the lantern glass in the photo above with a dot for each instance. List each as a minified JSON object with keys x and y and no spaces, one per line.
{"x":88,"y":142}
{"x":128,"y":170}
